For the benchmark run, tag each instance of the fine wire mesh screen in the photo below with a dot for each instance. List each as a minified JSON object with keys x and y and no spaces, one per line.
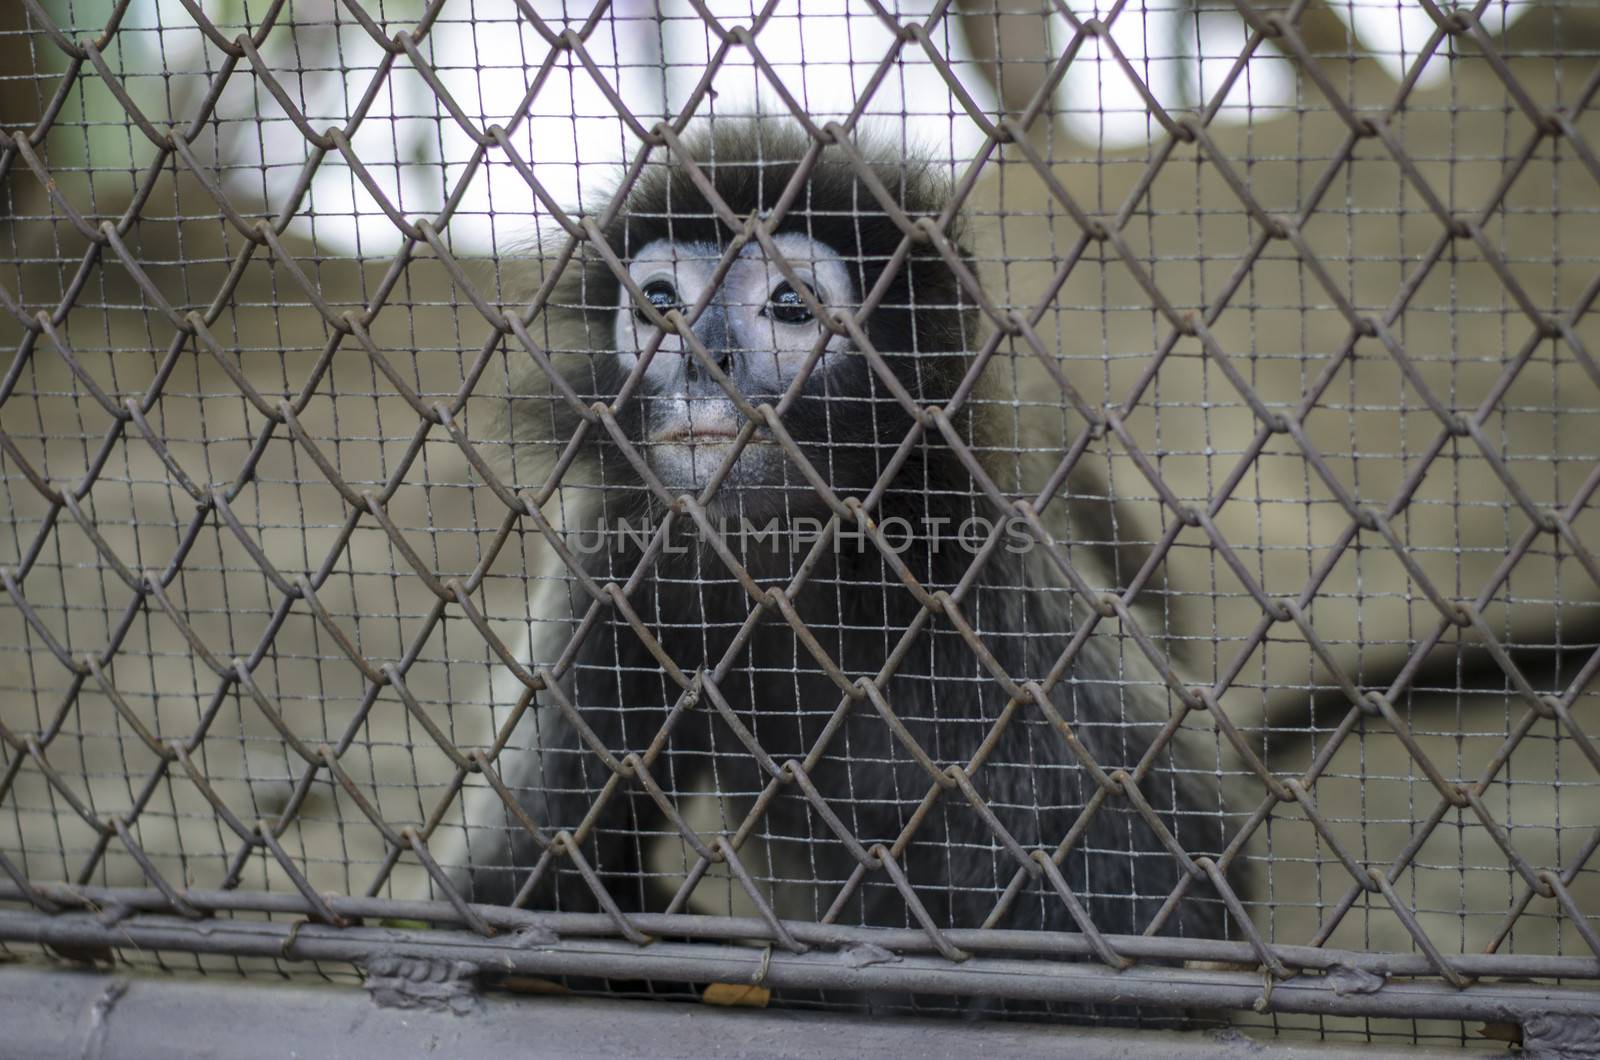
{"x":1282,"y":344}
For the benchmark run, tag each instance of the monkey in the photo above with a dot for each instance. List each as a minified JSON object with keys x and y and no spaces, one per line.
{"x":906,"y":681}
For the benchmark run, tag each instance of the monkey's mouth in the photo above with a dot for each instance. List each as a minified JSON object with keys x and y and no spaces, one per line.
{"x":687,"y":457}
{"x":684,"y":434}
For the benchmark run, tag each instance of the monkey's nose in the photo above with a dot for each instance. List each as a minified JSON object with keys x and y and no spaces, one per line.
{"x":713,"y":332}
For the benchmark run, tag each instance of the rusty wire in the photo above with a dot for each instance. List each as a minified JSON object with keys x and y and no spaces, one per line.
{"x":1372,"y":523}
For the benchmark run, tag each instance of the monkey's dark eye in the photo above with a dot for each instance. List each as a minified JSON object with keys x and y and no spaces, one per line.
{"x":786,"y":307}
{"x":662,"y":295}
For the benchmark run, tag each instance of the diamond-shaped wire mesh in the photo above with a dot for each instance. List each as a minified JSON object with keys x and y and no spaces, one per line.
{"x":1286,"y":344}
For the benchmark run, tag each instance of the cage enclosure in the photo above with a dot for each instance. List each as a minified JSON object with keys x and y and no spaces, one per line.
{"x":1126,"y":557}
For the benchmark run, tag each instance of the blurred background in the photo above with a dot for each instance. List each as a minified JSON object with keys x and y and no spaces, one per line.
{"x":1459,"y":138}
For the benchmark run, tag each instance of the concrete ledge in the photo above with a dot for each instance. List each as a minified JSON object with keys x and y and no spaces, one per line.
{"x":50,"y":1011}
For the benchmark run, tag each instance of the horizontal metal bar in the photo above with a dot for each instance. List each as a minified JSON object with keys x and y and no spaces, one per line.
{"x":1044,"y":981}
{"x":49,"y":1011}
{"x":900,"y":940}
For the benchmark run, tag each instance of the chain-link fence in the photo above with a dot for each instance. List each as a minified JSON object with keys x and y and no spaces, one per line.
{"x":1275,"y":358}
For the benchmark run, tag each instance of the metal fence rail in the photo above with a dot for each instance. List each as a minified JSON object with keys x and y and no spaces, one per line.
{"x":263,"y":564}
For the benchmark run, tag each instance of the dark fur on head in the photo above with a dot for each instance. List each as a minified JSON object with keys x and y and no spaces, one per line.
{"x":750,"y":164}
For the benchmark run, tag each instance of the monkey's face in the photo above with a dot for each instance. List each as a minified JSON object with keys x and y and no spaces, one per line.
{"x":760,"y":333}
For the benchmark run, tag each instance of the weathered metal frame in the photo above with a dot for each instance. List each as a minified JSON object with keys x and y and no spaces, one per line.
{"x":1330,"y":982}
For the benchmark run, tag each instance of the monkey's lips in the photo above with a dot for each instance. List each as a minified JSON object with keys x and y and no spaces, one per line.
{"x":687,"y":458}
{"x":684,"y":434}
